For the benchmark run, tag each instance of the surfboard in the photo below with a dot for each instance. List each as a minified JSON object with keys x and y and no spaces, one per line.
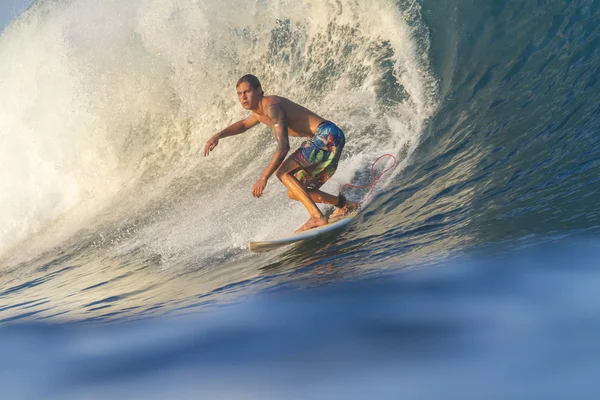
{"x":268,"y":245}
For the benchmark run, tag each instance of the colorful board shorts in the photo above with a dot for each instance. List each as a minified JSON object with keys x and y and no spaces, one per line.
{"x":320,"y":155}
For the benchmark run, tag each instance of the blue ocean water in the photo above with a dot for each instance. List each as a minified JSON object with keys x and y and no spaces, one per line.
{"x":472,"y":273}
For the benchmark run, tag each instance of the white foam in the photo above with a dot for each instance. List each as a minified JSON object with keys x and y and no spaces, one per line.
{"x":105,"y":107}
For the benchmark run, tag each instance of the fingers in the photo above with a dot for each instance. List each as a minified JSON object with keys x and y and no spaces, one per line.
{"x":257,"y":190}
{"x":208,"y":148}
{"x":210,"y":145}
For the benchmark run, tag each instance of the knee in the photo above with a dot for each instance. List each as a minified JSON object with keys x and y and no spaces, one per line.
{"x":281,"y":173}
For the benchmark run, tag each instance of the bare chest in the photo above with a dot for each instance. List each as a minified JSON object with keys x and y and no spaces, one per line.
{"x":292,"y":130}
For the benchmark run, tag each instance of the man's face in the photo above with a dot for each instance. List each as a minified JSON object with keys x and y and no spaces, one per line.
{"x":247,"y":95}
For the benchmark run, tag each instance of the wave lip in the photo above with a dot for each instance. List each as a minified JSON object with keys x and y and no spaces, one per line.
{"x":116,"y":101}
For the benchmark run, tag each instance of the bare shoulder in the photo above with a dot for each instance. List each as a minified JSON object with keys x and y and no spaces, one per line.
{"x":268,"y":101}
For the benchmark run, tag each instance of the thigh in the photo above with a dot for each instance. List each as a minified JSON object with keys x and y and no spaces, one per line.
{"x":289,"y":165}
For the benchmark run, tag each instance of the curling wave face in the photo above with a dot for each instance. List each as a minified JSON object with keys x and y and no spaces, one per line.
{"x":106,"y":108}
{"x":112,"y":215}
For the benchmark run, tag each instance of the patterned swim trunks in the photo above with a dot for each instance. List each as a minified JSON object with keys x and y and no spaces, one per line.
{"x":320,"y":155}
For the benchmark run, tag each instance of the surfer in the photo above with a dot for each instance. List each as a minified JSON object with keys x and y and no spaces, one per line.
{"x":307,"y":168}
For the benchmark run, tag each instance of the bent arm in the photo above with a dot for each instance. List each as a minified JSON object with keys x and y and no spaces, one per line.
{"x":280,"y":131}
{"x":238,"y":127}
{"x":233,"y":129}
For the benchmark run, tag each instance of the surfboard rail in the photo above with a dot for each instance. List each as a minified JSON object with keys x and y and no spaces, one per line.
{"x":268,"y":245}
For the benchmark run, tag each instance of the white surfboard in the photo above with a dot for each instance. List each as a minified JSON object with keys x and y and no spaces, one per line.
{"x":268,"y":245}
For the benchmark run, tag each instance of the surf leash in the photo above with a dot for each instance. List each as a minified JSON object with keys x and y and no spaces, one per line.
{"x":374,"y":179}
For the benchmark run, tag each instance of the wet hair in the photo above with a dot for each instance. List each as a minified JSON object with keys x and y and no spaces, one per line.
{"x":252,"y":80}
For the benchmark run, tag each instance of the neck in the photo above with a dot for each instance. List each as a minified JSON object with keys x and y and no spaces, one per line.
{"x":258,"y":109}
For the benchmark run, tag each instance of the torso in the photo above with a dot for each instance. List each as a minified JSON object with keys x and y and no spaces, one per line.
{"x":301,"y":122}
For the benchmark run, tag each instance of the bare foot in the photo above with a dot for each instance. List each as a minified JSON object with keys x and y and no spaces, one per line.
{"x":312,"y":223}
{"x":339,"y":213}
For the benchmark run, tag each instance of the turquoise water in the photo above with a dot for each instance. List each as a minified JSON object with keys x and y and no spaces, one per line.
{"x":472,"y":273}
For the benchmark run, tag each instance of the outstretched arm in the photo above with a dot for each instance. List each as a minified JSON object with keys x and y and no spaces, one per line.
{"x":234,"y":129}
{"x":280,"y":131}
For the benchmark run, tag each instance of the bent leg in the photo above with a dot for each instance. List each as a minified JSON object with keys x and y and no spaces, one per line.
{"x":285,"y":175}
{"x":342,"y":208}
{"x":317,"y":196}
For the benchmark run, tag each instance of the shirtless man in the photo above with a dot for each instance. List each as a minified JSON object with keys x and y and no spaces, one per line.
{"x":305,"y":170}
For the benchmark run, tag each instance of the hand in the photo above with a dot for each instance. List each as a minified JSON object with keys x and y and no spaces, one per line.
{"x":211,"y":144}
{"x":259,"y":186}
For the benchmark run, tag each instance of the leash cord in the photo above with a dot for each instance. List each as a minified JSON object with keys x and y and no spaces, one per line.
{"x":373,"y":179}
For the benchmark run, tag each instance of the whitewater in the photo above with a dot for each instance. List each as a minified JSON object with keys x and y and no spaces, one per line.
{"x":124,"y":266}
